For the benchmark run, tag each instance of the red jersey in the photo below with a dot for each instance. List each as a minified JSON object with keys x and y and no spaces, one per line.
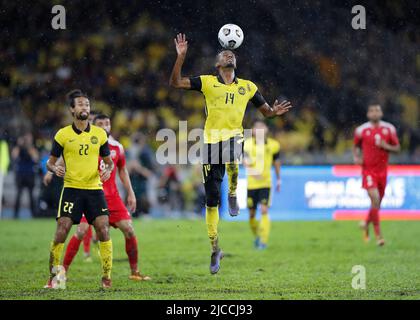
{"x":367,"y":137}
{"x":118,"y":157}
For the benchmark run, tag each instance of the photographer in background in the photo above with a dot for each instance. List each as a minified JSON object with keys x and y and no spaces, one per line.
{"x":25,"y":159}
{"x":140,"y":166}
{"x":50,"y":189}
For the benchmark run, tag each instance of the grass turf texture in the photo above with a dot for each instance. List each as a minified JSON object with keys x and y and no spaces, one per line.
{"x":304,"y":260}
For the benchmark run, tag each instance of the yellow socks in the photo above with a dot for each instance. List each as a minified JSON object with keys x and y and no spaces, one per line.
{"x":212,"y":220}
{"x":264,"y":228}
{"x":232,"y":172}
{"x":254,"y":224}
{"x":56,"y":251}
{"x":105,"y":251}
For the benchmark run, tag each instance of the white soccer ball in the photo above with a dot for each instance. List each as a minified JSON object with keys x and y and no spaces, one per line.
{"x":230,"y":36}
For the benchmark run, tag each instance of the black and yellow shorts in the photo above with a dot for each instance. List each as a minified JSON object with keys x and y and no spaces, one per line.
{"x":224,"y":151}
{"x":215,"y":157}
{"x":257,"y":196}
{"x":75,"y":202}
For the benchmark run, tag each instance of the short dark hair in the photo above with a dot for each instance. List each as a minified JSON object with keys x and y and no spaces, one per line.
{"x":373,"y":104}
{"x":223,"y":50}
{"x":73,"y":94}
{"x":100,"y":116}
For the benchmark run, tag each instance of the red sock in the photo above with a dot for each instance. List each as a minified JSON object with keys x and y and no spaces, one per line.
{"x":374,"y":214}
{"x":131,"y":249}
{"x":71,"y":251}
{"x":86,"y":240}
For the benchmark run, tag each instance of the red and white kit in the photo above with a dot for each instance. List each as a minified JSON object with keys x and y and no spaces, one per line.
{"x":375,"y":159}
{"x":116,"y":207}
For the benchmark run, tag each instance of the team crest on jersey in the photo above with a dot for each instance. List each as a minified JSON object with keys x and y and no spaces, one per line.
{"x":241,"y":90}
{"x":113,"y":154}
{"x":94,"y":140}
{"x":368,"y":132}
{"x":385,"y":131}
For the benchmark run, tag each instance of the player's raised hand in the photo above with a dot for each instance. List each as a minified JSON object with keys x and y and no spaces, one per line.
{"x":281,"y":108}
{"x":181,"y":44}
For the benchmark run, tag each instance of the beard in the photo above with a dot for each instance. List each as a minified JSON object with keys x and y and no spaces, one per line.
{"x":230,"y":65}
{"x":82,"y":116}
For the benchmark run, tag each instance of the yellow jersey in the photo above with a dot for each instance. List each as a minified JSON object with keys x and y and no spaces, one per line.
{"x":81,"y":151}
{"x":225,"y":105}
{"x":260,"y":158}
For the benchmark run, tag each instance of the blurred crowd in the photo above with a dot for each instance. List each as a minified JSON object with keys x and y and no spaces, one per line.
{"x":122,"y":54}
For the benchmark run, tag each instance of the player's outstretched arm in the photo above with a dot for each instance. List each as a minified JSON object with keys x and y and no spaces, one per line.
{"x":177,"y":80}
{"x":277,"y":109}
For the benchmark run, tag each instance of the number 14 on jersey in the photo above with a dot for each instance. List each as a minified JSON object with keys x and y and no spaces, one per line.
{"x":230,"y":97}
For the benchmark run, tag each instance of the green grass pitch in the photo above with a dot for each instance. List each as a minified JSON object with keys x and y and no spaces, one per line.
{"x":304,"y":260}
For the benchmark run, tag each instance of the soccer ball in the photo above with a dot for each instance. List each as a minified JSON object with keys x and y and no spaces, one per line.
{"x":230,"y":36}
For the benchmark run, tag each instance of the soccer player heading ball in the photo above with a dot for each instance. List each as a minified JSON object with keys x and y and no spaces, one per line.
{"x":376,"y":139}
{"x":226,"y":97}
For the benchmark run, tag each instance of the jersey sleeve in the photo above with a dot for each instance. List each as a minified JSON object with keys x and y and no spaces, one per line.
{"x":121,"y":159}
{"x":199,"y":83}
{"x":104,"y":148}
{"x":394,"y":137}
{"x":196,"y":83}
{"x":58,"y":144}
{"x":255,"y":96}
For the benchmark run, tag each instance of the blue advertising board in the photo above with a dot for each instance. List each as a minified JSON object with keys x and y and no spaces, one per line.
{"x":333,"y":193}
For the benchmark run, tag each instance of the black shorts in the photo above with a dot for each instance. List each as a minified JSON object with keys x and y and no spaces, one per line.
{"x":224,"y":151}
{"x":75,"y":202}
{"x":257,"y":196}
{"x":215,"y":157}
